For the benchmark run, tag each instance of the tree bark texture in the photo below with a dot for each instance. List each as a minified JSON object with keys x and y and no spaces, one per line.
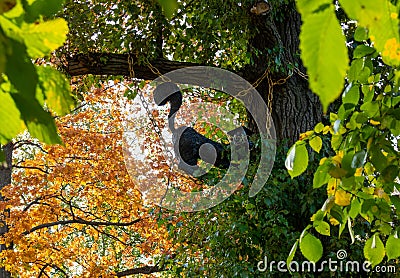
{"x":295,"y":109}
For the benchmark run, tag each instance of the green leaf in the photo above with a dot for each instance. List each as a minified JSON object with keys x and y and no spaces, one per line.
{"x":314,"y":6}
{"x":361,"y":34}
{"x":39,"y":122}
{"x":3,"y":57}
{"x":352,"y":95}
{"x":321,"y":176}
{"x":374,"y":251}
{"x":337,"y":213}
{"x":355,"y":208}
{"x":316,"y":143}
{"x":379,"y":161}
{"x":370,"y":108}
{"x":322,"y":227}
{"x":10,"y":117}
{"x":44,"y":37}
{"x":169,"y":7}
{"x":393,"y":247}
{"x":318,"y":216}
{"x":377,"y":17}
{"x":390,"y":173}
{"x":311,"y":247}
{"x":359,"y":159}
{"x":324,"y":53}
{"x":368,"y":93}
{"x":42,"y":8}
{"x":54,"y":90}
{"x":358,"y":71}
{"x":292,"y":252}
{"x":363,"y":50}
{"x":319,"y":127}
{"x":297,"y":160}
{"x":18,"y":65}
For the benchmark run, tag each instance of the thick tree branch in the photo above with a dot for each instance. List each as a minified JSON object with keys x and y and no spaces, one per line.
{"x":140,"y":270}
{"x":117,"y":64}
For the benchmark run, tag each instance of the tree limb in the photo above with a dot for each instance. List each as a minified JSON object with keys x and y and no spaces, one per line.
{"x":148,"y":269}
{"x":80,"y":221}
{"x":118,"y":64}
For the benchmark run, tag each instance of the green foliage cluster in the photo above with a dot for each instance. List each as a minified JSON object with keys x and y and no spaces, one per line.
{"x":139,"y":26}
{"x":27,"y":32}
{"x":229,"y":240}
{"x":235,"y":235}
{"x":362,"y":176}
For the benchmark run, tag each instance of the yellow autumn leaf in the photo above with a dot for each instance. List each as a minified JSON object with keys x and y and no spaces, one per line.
{"x":337,"y":159}
{"x":342,"y":198}
{"x":332,"y":185}
{"x":322,"y":161}
{"x":373,"y":122}
{"x":358,"y":172}
{"x":333,"y":221}
{"x":306,"y":134}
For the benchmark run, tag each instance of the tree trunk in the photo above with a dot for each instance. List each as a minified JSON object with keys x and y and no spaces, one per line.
{"x":5,"y":179}
{"x":295,"y":109}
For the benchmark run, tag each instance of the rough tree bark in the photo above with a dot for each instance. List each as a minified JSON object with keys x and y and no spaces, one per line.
{"x":5,"y":179}
{"x":296,"y":96}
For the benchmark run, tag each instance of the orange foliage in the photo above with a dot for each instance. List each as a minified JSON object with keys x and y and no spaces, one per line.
{"x":74,"y":208}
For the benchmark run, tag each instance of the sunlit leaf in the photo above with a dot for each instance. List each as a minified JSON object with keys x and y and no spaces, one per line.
{"x":352,"y":95}
{"x":381,"y":19}
{"x":44,"y":37}
{"x":361,"y":34}
{"x":363,"y":50}
{"x":39,"y":122}
{"x":169,"y":7}
{"x":320,"y":34}
{"x":316,"y":143}
{"x":54,"y":90}
{"x":393,"y":247}
{"x":342,"y":198}
{"x":9,"y":114}
{"x":311,"y":247}
{"x":292,"y":253}
{"x":322,"y":227}
{"x":374,"y":250}
{"x":297,"y":160}
{"x":321,"y":175}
